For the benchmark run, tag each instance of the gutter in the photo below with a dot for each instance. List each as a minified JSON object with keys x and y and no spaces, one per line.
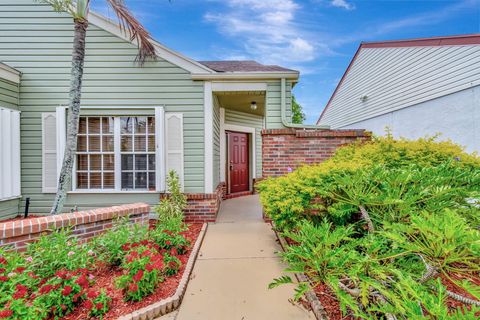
{"x":245,"y":76}
{"x":283,"y":109}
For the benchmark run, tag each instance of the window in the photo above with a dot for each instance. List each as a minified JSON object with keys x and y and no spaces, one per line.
{"x":116,"y":153}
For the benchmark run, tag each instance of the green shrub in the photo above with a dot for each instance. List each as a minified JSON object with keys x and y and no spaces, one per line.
{"x":378,"y":222}
{"x":171,"y":207}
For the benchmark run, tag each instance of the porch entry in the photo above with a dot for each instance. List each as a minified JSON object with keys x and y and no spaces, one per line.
{"x":238,"y":162}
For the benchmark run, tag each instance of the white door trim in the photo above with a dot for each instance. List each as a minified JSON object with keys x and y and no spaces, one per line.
{"x":223,"y":146}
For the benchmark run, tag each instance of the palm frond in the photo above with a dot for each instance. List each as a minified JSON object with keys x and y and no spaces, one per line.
{"x":129,"y":24}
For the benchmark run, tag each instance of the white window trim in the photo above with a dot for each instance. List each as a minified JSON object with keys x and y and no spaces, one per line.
{"x":160,"y":144}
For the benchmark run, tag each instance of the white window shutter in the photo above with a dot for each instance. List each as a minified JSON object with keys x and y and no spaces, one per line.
{"x":174,"y":144}
{"x":10,"y":153}
{"x":160,"y":148}
{"x":49,"y":152}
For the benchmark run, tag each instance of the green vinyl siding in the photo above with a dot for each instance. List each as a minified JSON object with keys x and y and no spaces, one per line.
{"x":8,"y":94}
{"x":216,"y":142}
{"x":38,"y":42}
{"x":9,"y":208}
{"x":273,"y":105}
{"x":249,"y":120}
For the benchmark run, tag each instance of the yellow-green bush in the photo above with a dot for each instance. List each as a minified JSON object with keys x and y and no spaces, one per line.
{"x":315,"y":190}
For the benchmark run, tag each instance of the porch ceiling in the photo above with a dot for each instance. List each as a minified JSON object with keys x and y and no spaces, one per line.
{"x":241,"y":101}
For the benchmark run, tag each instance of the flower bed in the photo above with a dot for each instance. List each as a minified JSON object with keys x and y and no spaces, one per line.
{"x":123,"y":270}
{"x":387,"y":229}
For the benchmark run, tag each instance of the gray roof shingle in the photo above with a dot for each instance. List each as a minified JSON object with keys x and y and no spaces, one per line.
{"x":242,"y":66}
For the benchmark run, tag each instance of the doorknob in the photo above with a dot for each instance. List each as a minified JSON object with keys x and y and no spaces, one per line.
{"x":231,"y":167}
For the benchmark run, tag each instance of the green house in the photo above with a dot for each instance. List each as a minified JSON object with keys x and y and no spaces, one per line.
{"x":201,"y":119}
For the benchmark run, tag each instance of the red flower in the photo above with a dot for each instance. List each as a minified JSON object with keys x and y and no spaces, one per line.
{"x":62,"y":274}
{"x":64,"y":307}
{"x":133,"y":287}
{"x":173,"y":252}
{"x":76,"y":297}
{"x":89,"y":305}
{"x":32,"y":275}
{"x":82,"y":281}
{"x":99,"y":306}
{"x":138,"y":276}
{"x":3,"y":260}
{"x":158,"y":265}
{"x":21,"y":292}
{"x":42,"y":282}
{"x":66,"y":291}
{"x":46,"y":289}
{"x":149,"y":267}
{"x":3,"y":279}
{"x":146,"y":253}
{"x":2,"y":270}
{"x":168,"y":243}
{"x":20,"y":269}
{"x":92,"y":294}
{"x":6,"y":313}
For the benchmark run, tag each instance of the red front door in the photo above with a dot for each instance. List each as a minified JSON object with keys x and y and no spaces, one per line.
{"x":238,"y":161}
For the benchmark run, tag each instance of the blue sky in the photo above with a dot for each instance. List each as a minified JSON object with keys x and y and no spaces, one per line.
{"x":316,"y":37}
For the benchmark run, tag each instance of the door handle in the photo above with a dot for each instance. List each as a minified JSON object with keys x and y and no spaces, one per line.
{"x":231,"y":167}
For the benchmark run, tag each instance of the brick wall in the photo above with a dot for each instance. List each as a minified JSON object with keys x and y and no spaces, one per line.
{"x":285,"y":149}
{"x":84,"y":224}
{"x":203,"y":207}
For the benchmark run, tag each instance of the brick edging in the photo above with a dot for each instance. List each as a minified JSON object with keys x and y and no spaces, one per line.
{"x":317,"y":307}
{"x":172,"y":303}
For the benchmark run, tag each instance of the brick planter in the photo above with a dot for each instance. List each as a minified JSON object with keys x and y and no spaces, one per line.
{"x":284,"y":150}
{"x":84,"y":224}
{"x":203,"y":207}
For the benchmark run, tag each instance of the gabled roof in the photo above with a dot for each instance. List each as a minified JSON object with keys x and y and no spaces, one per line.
{"x":206,"y":70}
{"x":243,"y":66}
{"x":456,"y":40}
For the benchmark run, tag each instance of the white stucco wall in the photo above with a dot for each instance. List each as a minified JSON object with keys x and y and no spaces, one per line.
{"x":455,"y":116}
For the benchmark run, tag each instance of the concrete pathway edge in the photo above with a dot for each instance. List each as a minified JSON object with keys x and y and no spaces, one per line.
{"x":172,"y":303}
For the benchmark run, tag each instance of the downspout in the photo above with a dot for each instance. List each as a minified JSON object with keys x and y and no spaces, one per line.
{"x":283,"y":111}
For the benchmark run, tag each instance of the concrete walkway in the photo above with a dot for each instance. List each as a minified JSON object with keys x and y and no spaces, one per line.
{"x":236,"y":263}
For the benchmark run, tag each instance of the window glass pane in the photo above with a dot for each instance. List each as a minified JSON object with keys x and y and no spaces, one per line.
{"x":140,"y":162}
{"x":108,"y":162}
{"x":95,"y":180}
{"x":82,"y":162}
{"x":127,"y":180}
{"x":151,"y":124}
{"x":126,"y":124}
{"x":82,"y":143}
{"x":151,"y":181}
{"x":107,"y":125}
{"x":93,"y":125}
{"x":93,"y":143}
{"x":140,"y":143}
{"x":140,"y":180}
{"x":108,"y":180}
{"x":127,"y":162}
{"x":95,"y":162}
{"x":126,"y":144}
{"x":82,"y":126}
{"x":151,"y":162}
{"x":151,"y":143}
{"x":107,"y":143}
{"x":82,"y":180}
{"x":140,"y":125}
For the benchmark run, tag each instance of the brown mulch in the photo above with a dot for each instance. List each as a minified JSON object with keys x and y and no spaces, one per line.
{"x":330,"y":303}
{"x":452,"y":303}
{"x":105,"y":279}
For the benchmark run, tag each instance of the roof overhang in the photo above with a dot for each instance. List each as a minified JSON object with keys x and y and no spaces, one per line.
{"x":246,"y":76}
{"x":9,"y":73}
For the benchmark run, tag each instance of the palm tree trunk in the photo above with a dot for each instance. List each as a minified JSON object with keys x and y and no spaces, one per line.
{"x":78,"y":58}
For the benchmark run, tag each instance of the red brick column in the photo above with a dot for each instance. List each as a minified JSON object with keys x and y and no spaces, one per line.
{"x":84,"y":224}
{"x":283,"y":150}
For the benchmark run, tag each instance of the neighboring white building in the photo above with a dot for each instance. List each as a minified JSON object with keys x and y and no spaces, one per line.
{"x":417,"y":88}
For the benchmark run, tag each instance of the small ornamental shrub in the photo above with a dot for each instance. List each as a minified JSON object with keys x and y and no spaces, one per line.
{"x":172,"y":206}
{"x":385,"y":225}
{"x":172,"y":264}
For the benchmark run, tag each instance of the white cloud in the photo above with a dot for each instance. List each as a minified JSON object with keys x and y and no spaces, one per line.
{"x":267,"y":30}
{"x":342,"y":4}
